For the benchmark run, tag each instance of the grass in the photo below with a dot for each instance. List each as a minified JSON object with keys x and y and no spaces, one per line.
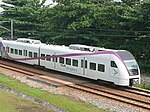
{"x":58,"y":100}
{"x":12,"y":103}
{"x":143,"y":85}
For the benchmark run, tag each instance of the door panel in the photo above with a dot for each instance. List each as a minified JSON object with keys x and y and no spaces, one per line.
{"x":84,"y":66}
{"x":114,"y":71}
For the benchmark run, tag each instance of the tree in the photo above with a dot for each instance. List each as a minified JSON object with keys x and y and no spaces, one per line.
{"x":81,"y":20}
{"x":26,"y":16}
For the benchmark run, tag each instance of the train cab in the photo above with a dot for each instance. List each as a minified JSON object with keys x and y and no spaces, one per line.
{"x":131,"y":66}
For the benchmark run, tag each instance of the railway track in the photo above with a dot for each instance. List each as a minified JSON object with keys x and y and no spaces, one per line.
{"x":116,"y":97}
{"x":137,"y":99}
{"x":132,"y":96}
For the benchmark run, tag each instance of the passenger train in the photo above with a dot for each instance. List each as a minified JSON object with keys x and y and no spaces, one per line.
{"x":116,"y":66}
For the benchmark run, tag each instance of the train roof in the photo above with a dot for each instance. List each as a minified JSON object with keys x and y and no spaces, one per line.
{"x":71,"y":48}
{"x":89,"y":48}
{"x":30,"y":41}
{"x":19,"y":43}
{"x":125,"y":55}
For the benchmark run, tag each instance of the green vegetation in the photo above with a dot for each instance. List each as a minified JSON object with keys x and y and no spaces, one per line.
{"x":102,"y":23}
{"x":58,"y":100}
{"x":12,"y":103}
{"x":143,"y":85}
{"x":146,"y":74}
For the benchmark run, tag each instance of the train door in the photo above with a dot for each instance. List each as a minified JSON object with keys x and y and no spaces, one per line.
{"x":114,"y":71}
{"x":84,"y":66}
{"x":4,"y":52}
{"x":0,"y":51}
{"x":1,"y":48}
{"x":25,"y":54}
{"x":55,"y":61}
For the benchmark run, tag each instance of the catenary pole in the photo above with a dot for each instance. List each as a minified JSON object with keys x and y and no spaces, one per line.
{"x":12,"y":33}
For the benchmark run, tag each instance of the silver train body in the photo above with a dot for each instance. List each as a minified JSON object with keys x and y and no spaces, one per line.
{"x":117,"y":66}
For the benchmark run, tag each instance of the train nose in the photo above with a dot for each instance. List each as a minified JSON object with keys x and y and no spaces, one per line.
{"x":134,"y":81}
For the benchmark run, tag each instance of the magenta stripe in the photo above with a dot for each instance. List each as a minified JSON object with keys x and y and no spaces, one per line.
{"x":65,"y":55}
{"x":70,"y":55}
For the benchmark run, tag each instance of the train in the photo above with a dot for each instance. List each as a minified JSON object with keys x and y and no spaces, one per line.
{"x":114,"y":66}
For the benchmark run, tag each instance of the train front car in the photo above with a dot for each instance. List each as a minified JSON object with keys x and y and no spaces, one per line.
{"x":132,"y":69}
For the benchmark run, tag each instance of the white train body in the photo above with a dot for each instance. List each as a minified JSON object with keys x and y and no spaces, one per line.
{"x":117,"y":66}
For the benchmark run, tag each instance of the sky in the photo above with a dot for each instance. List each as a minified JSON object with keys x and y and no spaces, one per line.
{"x":48,"y":2}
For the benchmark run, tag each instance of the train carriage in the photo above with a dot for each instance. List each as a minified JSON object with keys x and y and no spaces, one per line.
{"x":117,"y":66}
{"x":20,"y":51}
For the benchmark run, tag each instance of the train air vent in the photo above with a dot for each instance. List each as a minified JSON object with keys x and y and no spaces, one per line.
{"x":86,"y":48}
{"x":81,"y":47}
{"x":30,"y":41}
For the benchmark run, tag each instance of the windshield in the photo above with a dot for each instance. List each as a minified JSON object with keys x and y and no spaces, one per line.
{"x":132,"y":66}
{"x":130,"y":62}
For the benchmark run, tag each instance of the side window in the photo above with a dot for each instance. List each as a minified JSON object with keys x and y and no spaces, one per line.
{"x":42,"y":55}
{"x":101,"y":67}
{"x":12,"y":50}
{"x":75,"y":62}
{"x":20,"y":52}
{"x":61,"y":60}
{"x":92,"y":66}
{"x":82,"y":62}
{"x":30,"y":54}
{"x":113,"y":64}
{"x":16,"y":51}
{"x":48,"y":59}
{"x":35,"y":54}
{"x":68,"y":61}
{"x":54,"y":59}
{"x":3,"y":48}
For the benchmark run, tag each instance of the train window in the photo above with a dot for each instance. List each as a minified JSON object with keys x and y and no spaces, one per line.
{"x":20,"y":52}
{"x":42,"y":55}
{"x":54,"y":59}
{"x":92,"y":66}
{"x":68,"y":61}
{"x":35,"y":54}
{"x":113,"y":64}
{"x":61,"y":60}
{"x":7,"y":49}
{"x":84,"y":63}
{"x":48,"y":59}
{"x":16,"y":51}
{"x":101,"y":67}
{"x":75,"y":62}
{"x":12,"y":50}
{"x":3,"y":48}
{"x":81,"y":63}
{"x":30,"y":54}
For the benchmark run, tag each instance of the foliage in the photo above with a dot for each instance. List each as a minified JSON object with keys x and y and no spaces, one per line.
{"x":104,"y":23}
{"x":143,"y":85}
{"x":25,"y":14}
